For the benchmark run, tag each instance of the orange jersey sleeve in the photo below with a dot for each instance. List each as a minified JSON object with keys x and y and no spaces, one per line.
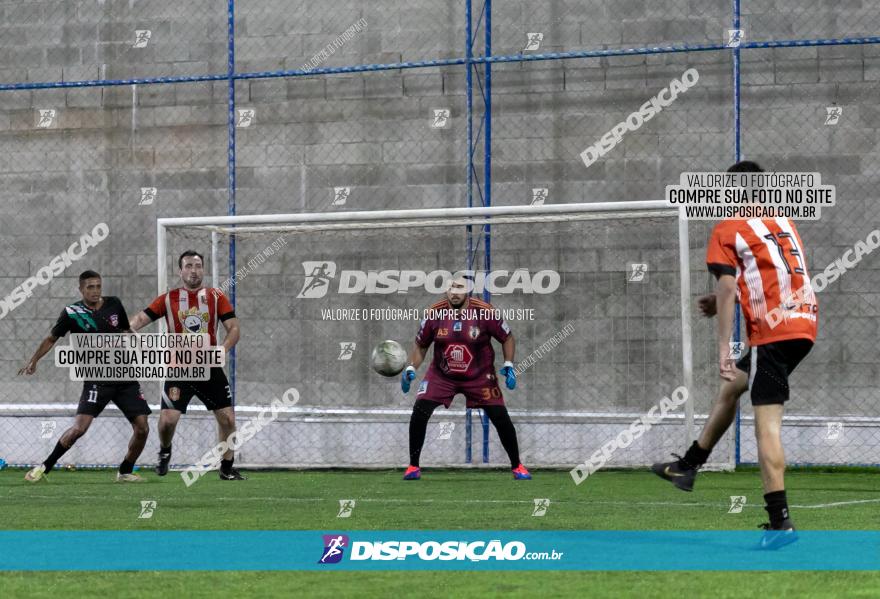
{"x":224,"y":306}
{"x":156,"y":309}
{"x":721,"y":255}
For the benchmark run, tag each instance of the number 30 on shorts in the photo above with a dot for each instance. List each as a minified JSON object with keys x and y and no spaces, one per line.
{"x":491,"y":393}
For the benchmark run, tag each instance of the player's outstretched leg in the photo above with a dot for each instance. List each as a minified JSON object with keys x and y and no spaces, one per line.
{"x":168,"y":419}
{"x":80,"y":425}
{"x":683,"y":471}
{"x":507,"y":434}
{"x":418,"y":428}
{"x":140,"y":429}
{"x":225,"y":428}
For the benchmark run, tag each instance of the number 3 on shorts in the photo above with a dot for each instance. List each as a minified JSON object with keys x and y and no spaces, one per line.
{"x":490,"y":393}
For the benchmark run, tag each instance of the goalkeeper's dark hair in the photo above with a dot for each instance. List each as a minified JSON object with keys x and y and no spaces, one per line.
{"x":88,"y":274}
{"x":187,"y":254}
{"x":745,"y":166}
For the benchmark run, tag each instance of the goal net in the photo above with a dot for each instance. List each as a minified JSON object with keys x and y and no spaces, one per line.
{"x":592,"y":293}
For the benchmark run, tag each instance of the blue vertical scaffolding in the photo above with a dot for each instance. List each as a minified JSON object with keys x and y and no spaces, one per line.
{"x":230,"y":166}
{"x":484,"y":192}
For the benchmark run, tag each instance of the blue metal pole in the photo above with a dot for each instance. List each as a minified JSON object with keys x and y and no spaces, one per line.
{"x":469,"y":81}
{"x":230,"y":166}
{"x":487,"y":186}
{"x":737,"y":158}
{"x":469,"y":55}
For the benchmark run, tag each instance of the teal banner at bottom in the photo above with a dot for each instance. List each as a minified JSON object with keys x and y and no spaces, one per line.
{"x":340,"y":550}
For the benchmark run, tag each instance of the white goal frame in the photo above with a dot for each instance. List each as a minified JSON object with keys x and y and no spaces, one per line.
{"x":417,"y":218}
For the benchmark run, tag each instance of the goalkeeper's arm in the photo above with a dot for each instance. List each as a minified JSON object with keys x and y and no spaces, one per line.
{"x":417,"y":355}
{"x":508,"y":348}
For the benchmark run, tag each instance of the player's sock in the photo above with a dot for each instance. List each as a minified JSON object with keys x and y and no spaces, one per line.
{"x":164,"y":460}
{"x":777,"y":508}
{"x":126,"y":467}
{"x":56,"y":454}
{"x":418,"y":428}
{"x":696,"y":456}
{"x":506,"y":432}
{"x":226,"y":465}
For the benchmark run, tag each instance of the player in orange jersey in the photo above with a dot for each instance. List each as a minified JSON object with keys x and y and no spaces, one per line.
{"x":762,"y":263}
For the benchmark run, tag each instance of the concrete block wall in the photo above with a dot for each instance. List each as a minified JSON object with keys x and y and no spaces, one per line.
{"x":371,"y":132}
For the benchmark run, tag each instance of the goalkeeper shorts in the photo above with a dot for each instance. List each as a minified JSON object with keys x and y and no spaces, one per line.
{"x":478,"y":392}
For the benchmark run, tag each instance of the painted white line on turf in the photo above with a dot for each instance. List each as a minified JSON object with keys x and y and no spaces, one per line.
{"x":837,"y":503}
{"x":479,"y":501}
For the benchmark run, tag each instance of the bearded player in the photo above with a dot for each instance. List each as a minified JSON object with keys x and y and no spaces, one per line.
{"x":195,"y":309}
{"x":464,"y":362}
{"x":761,"y":262}
{"x":95,"y":313}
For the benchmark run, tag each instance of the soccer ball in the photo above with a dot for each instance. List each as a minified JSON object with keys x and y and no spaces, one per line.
{"x":388,"y":358}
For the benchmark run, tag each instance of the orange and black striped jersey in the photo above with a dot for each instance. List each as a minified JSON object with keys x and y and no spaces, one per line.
{"x":768,"y":260}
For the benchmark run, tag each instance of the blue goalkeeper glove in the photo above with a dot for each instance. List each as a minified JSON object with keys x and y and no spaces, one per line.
{"x":509,"y":375}
{"x":407,"y":378}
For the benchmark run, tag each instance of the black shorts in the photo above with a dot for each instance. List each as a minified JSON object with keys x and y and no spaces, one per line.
{"x":769,"y":371}
{"x":214,"y":393}
{"x":128,"y":397}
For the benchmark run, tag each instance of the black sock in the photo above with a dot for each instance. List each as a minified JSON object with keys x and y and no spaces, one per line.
{"x":226,"y":465}
{"x":418,"y":428}
{"x":56,"y":454}
{"x":126,"y":467}
{"x":506,"y":432}
{"x":696,"y":456}
{"x":165,"y":449}
{"x":777,"y":507}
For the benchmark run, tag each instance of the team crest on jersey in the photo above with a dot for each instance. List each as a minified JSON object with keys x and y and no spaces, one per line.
{"x":193,"y":320}
{"x":474,"y":332}
{"x":458,"y":358}
{"x":114,"y":320}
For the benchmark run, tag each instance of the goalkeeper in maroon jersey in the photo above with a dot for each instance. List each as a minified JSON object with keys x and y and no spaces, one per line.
{"x":461,"y":329}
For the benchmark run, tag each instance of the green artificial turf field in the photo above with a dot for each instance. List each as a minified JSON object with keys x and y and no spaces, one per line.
{"x":847,"y":499}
